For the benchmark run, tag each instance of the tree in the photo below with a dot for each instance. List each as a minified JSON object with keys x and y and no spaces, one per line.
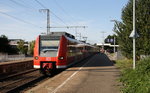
{"x":5,"y":47}
{"x":124,"y":28}
{"x":31,"y":47}
{"x":4,"y":44}
{"x":21,"y":47}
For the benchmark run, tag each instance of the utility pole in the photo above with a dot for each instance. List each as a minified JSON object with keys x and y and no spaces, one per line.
{"x":48,"y":18}
{"x":114,"y":44}
{"x":103,"y":39}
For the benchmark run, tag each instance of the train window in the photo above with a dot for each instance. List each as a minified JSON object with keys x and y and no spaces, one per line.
{"x":49,"y":48}
{"x":49,"y":43}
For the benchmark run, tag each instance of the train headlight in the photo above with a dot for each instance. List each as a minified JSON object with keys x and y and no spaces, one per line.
{"x":36,"y":57}
{"x":61,"y":58}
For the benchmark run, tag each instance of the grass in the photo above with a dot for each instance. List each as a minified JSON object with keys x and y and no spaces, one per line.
{"x":124,"y":64}
{"x":135,"y":81}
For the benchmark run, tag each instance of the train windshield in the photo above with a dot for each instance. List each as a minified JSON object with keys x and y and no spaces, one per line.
{"x":48,"y":47}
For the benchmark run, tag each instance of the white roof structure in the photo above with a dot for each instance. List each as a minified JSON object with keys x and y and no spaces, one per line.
{"x":107,"y":44}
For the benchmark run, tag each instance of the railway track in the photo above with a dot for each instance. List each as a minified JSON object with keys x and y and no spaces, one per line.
{"x":25,"y":80}
{"x":17,"y":82}
{"x":4,"y":78}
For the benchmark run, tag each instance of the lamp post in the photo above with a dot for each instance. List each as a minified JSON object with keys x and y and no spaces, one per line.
{"x":114,"y":44}
{"x":103,"y":40}
{"x":134,"y":35}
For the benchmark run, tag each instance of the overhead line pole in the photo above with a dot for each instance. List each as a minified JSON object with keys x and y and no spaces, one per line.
{"x":48,"y":21}
{"x":48,"y":18}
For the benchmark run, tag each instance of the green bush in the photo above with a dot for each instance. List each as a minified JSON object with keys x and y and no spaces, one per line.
{"x":124,"y":64}
{"x":138,"y":80}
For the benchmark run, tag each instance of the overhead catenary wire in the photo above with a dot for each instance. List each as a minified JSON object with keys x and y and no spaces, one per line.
{"x":63,"y":10}
{"x":18,"y":19}
{"x":32,"y":8}
{"x":8,"y":4}
{"x":18,"y":3}
{"x":23,"y":5}
{"x":27,"y":6}
{"x":50,"y":11}
{"x":40,"y":4}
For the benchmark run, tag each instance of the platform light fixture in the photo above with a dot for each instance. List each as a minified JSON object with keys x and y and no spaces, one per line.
{"x":134,"y":35}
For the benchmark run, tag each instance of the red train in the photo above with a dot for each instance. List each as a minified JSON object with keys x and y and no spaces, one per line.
{"x":59,"y":50}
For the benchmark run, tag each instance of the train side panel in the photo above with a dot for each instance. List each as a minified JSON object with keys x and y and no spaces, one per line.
{"x":71,"y":52}
{"x":62,"y":58}
{"x":36,"y":54}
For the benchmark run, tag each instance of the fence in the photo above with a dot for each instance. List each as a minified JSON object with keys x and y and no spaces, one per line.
{"x":6,"y":57}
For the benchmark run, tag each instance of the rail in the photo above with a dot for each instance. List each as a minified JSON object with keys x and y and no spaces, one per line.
{"x":11,"y":83}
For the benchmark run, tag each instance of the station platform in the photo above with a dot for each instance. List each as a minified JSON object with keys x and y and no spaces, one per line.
{"x":96,"y":74}
{"x":13,"y":67}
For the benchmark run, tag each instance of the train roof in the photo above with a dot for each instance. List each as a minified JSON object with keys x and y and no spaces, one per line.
{"x":80,"y":44}
{"x":59,"y":34}
{"x":68,"y":36}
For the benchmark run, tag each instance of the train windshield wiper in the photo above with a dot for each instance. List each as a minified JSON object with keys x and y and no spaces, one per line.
{"x":45,"y":50}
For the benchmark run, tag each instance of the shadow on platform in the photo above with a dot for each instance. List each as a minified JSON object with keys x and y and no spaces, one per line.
{"x":96,"y":63}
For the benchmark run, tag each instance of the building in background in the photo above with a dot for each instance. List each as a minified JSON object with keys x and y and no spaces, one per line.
{"x":108,"y":47}
{"x":15,"y":42}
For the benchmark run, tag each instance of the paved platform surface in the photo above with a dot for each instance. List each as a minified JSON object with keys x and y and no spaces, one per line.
{"x":96,"y":75}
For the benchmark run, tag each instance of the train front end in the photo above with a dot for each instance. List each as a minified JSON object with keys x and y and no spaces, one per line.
{"x":46,"y":53}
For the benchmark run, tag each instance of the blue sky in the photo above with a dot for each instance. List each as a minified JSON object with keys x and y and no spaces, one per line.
{"x":96,"y":14}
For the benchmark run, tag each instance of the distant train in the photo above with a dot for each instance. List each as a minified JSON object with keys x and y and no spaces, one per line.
{"x":59,"y":50}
